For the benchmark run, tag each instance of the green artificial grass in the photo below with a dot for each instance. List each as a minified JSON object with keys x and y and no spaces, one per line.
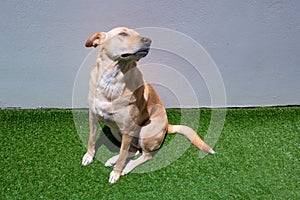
{"x":257,"y":158}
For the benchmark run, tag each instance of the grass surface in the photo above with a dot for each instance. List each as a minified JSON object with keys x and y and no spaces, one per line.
{"x":257,"y":158}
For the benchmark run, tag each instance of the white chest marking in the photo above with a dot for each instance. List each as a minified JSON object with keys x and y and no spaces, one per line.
{"x":112,"y":84}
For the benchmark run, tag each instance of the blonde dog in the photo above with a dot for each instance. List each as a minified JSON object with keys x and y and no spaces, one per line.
{"x":120,"y":98}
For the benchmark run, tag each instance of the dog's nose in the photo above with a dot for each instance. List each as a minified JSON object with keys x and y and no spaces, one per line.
{"x":146,"y":40}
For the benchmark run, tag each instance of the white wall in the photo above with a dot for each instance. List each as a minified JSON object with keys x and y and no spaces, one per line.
{"x":255,"y":45}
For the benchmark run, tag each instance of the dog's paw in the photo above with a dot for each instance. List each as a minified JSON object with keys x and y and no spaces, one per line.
{"x":128,"y":168}
{"x":124,"y":172}
{"x":212,"y":152}
{"x":114,"y":176}
{"x":87,"y":159}
{"x":112,"y":161}
{"x":109,"y":164}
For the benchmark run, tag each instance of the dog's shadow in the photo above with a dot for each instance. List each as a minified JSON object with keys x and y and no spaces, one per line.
{"x":108,"y":140}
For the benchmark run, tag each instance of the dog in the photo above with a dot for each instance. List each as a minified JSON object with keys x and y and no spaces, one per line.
{"x":120,"y":98}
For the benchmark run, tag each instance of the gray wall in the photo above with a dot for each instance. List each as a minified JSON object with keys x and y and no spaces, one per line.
{"x":255,"y":45}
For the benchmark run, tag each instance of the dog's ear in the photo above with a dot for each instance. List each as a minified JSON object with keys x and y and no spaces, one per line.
{"x":95,"y":39}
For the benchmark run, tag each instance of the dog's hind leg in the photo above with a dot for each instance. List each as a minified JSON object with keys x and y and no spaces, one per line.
{"x":112,"y":161}
{"x":133,"y":151}
{"x":134,"y":163}
{"x":151,"y":138}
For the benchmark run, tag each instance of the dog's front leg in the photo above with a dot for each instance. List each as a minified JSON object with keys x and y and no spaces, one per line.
{"x":122,"y":159}
{"x":90,"y":154}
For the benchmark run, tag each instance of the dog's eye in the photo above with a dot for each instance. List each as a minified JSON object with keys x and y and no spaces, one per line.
{"x":123,"y":34}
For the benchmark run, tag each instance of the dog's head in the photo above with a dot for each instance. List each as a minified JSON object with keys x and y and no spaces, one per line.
{"x":120,"y":44}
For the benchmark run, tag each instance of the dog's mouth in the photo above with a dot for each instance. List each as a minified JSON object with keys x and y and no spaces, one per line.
{"x":140,"y":53}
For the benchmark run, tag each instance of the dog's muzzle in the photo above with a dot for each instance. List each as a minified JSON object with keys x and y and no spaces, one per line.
{"x":140,"y":53}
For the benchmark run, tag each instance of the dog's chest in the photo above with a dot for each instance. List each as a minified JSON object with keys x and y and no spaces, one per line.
{"x":110,"y":112}
{"x":111,"y":85}
{"x":103,"y":109}
{"x":103,"y":98}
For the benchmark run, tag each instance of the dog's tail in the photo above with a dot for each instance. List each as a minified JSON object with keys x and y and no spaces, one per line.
{"x":191,"y":135}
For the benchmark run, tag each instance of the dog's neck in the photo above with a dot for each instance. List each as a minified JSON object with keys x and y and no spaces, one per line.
{"x":118,"y":78}
{"x":104,"y":64}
